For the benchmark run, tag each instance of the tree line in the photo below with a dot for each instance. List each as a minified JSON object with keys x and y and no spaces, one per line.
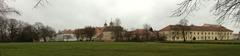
{"x":12,"y":30}
{"x":85,"y":33}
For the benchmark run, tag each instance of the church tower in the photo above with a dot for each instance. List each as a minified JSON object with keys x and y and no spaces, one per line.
{"x":105,"y":24}
{"x":111,"y":23}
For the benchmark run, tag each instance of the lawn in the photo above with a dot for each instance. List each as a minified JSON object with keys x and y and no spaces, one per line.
{"x":117,"y":49}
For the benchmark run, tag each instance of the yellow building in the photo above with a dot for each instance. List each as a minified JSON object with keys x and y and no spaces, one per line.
{"x":204,"y":32}
{"x":106,"y":33}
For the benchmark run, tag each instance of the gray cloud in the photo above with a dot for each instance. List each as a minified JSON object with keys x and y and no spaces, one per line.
{"x":71,"y":14}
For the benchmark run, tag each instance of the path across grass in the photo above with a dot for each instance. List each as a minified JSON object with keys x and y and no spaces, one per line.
{"x":117,"y":49}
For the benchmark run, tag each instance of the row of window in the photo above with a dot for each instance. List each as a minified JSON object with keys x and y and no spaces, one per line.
{"x":202,"y":33}
{"x":201,"y":38}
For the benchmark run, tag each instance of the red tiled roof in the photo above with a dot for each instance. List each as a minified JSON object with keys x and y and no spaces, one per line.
{"x":200,"y":28}
{"x":99,"y":31}
{"x":68,"y":31}
{"x":139,"y":31}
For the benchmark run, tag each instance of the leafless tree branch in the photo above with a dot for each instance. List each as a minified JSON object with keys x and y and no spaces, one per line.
{"x":40,"y":3}
{"x":225,"y":10}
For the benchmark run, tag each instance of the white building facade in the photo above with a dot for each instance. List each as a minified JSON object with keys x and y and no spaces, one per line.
{"x":209,"y":32}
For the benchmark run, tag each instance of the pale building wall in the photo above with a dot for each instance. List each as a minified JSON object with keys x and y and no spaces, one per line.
{"x":63,"y":37}
{"x":199,"y":35}
{"x":107,"y":36}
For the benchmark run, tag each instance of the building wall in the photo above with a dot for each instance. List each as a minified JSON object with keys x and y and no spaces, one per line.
{"x":197,"y":35}
{"x":107,"y":36}
{"x":236,"y":36}
{"x":65,"y":37}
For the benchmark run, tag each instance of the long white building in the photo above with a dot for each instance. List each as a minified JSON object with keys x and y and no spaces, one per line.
{"x":204,"y":32}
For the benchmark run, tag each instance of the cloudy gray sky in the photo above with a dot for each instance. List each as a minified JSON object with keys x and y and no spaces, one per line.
{"x":71,"y":14}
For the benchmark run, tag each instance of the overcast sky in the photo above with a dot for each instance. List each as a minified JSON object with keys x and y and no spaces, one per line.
{"x":71,"y":14}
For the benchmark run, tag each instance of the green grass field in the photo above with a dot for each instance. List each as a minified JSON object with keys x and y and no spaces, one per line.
{"x":117,"y":49}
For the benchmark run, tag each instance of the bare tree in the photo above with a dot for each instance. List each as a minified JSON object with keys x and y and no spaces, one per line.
{"x":117,"y":22}
{"x":146,"y":26}
{"x":187,"y":7}
{"x":5,"y":9}
{"x":89,"y":32}
{"x":79,"y":33}
{"x":47,"y":32}
{"x":28,"y":33}
{"x":3,"y":28}
{"x":38,"y":29}
{"x":147,"y":30}
{"x":181,"y":29}
{"x":184,"y":27}
{"x":16,"y":30}
{"x":13,"y":29}
{"x":40,"y":3}
{"x":226,"y":10}
{"x":184,"y":22}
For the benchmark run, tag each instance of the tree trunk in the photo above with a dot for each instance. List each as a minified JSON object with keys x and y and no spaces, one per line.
{"x":184,"y":38}
{"x":44,"y":39}
{"x":183,"y":33}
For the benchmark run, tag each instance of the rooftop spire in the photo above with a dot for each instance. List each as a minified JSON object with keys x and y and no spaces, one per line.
{"x":111,"y":23}
{"x":105,"y":24}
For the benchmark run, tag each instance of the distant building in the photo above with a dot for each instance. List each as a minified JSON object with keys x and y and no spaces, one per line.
{"x":204,"y":32}
{"x":65,"y":35}
{"x":143,"y":35}
{"x":236,"y":36}
{"x":109,"y":33}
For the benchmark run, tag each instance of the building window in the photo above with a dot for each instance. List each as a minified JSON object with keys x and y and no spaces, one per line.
{"x":216,"y":38}
{"x":194,"y":38}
